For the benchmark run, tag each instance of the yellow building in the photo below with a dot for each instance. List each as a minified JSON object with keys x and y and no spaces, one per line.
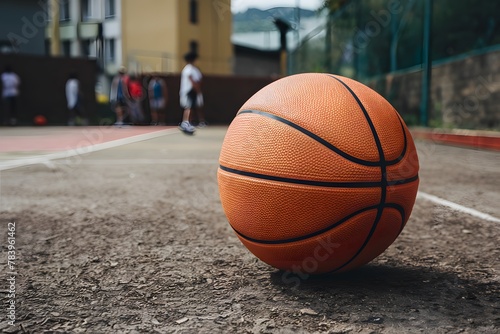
{"x":145,"y":35}
{"x":157,"y":33}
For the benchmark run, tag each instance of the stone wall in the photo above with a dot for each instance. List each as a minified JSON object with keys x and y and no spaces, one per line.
{"x":465,"y":93}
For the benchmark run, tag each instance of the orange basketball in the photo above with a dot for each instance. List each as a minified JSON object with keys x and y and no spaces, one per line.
{"x":318,"y":173}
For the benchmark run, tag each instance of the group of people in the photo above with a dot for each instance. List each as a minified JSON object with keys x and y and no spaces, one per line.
{"x":126,"y":95}
{"x":10,"y":95}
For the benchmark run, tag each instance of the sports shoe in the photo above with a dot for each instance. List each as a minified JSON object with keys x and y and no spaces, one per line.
{"x":202,"y":125}
{"x":121,"y":125}
{"x":187,"y":127}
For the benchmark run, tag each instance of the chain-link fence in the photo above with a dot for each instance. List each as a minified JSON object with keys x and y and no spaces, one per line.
{"x":366,"y":38}
{"x":371,"y":40}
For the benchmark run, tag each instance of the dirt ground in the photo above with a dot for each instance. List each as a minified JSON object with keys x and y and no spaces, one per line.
{"x":133,"y":239}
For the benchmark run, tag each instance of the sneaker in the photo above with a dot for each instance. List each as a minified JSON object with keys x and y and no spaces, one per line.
{"x":186,"y":127}
{"x":202,"y":125}
{"x":121,"y":125}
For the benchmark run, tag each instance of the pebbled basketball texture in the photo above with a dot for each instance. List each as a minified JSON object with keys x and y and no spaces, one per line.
{"x":318,"y":173}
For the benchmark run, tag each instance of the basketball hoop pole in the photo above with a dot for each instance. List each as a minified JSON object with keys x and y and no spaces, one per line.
{"x":426,"y":64}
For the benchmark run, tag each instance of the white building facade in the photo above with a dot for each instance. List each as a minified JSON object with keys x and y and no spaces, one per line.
{"x":90,"y":28}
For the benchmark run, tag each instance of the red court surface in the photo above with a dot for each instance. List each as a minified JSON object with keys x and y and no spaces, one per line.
{"x":489,"y":140}
{"x":50,"y":139}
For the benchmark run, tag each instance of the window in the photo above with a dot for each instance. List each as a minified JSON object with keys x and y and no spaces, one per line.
{"x":193,"y":11}
{"x":48,"y":46}
{"x":193,"y":46}
{"x":86,"y":46}
{"x":87,"y":13}
{"x":110,"y":9}
{"x":66,"y":48}
{"x":110,"y":50}
{"x":64,"y":10}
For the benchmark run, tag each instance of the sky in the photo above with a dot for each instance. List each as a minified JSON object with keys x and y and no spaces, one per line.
{"x":242,"y":5}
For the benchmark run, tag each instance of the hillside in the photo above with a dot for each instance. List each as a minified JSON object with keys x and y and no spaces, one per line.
{"x":254,"y":20}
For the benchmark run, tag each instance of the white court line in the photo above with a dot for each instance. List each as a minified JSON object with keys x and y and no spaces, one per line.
{"x":145,"y":162}
{"x":457,"y":207}
{"x":46,"y":158}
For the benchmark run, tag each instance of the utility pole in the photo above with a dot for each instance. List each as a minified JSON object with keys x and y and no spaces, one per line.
{"x":55,"y":43}
{"x":427,"y":64}
{"x":329,"y":42}
{"x":283,"y":28}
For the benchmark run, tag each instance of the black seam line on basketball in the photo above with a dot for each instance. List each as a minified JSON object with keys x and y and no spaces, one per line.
{"x":343,"y":220}
{"x":313,"y":136}
{"x":383,"y":169}
{"x":401,"y":212}
{"x":402,"y":181}
{"x":303,"y":182}
{"x":316,"y":183}
{"x":405,"y":147}
{"x":307,"y":236}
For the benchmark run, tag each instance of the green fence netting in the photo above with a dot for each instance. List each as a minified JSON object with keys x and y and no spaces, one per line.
{"x":366,"y":38}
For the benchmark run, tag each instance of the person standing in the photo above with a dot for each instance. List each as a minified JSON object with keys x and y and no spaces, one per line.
{"x":74,"y":99}
{"x":136,"y":95}
{"x":191,"y":97}
{"x":10,"y":93}
{"x":119,"y":95}
{"x":157,"y":91}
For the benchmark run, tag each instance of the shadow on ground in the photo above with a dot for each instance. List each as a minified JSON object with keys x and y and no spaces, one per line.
{"x":376,"y":293}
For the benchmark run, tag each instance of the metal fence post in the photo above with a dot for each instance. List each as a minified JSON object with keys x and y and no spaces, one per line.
{"x":427,"y":64}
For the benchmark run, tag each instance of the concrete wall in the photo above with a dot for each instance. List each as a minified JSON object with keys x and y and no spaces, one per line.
{"x":465,"y":93}
{"x":157,"y":34}
{"x":150,"y":35}
{"x":22,"y":22}
{"x":212,"y":32}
